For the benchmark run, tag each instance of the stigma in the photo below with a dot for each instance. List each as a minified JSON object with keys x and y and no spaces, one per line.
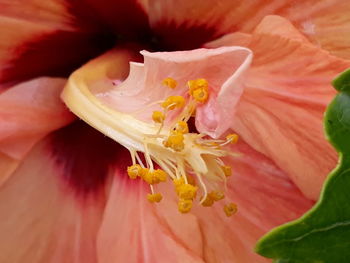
{"x":168,"y":152}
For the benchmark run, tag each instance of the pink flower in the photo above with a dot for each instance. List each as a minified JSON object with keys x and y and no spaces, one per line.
{"x":66,"y":195}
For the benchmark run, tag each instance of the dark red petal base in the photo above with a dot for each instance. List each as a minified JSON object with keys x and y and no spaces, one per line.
{"x":85,"y":157}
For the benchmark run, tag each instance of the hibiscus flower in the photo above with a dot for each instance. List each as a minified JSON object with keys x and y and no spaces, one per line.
{"x":66,"y":193}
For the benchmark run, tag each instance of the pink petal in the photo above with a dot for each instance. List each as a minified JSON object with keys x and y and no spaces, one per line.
{"x":281,"y":110}
{"x":52,"y":205}
{"x":42,"y":221}
{"x":326,"y":23}
{"x":28,"y":112}
{"x":7,"y":166}
{"x":21,"y":25}
{"x":223,"y":68}
{"x":40,"y":38}
{"x":135,"y":231}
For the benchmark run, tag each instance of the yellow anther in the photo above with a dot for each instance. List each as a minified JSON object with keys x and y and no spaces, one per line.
{"x":184,"y":206}
{"x":230,"y":209}
{"x":134,"y":171}
{"x":154,"y":198}
{"x":232,"y":138}
{"x":178,"y":182}
{"x":200,"y":95}
{"x":173,"y":102}
{"x":160,"y":175}
{"x":175,"y":141}
{"x":170,"y":82}
{"x":143,"y":172}
{"x":158,"y":116}
{"x":181,"y":126}
{"x":209,"y":201}
{"x":187,"y":191}
{"x":216,"y":195}
{"x":227,"y":170}
{"x":154,"y":177}
{"x":198,"y":89}
{"x":148,"y":177}
{"x":197,"y":84}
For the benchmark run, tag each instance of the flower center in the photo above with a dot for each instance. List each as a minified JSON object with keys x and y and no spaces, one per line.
{"x":162,"y":146}
{"x":186,"y":158}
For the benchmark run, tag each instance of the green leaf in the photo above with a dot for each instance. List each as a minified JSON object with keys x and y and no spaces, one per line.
{"x":322,"y":235}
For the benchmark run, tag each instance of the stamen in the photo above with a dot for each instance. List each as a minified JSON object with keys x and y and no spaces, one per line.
{"x":212,"y":197}
{"x":227,"y":170}
{"x":185,"y":115}
{"x":154,"y":198}
{"x":182,"y":127}
{"x":230,"y":209}
{"x":132,"y":154}
{"x":154,"y":176}
{"x":148,"y":176}
{"x":178,"y":182}
{"x":134,"y":171}
{"x":185,"y":206}
{"x":197,"y":84}
{"x":181,"y":154}
{"x":200,"y":95}
{"x":148,"y":157}
{"x":144,"y":174}
{"x":198,"y":89}
{"x":187,"y":191}
{"x":139,"y":160}
{"x":217,"y":195}
{"x":170,"y":82}
{"x":173,"y":102}
{"x":175,"y":141}
{"x":165,"y":165}
{"x":204,"y":188}
{"x":208,"y":201}
{"x":231,"y":138}
{"x":158,"y":116}
{"x":160,"y":175}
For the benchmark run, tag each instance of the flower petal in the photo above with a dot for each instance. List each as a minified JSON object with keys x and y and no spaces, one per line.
{"x":265,"y":198}
{"x":29,"y":111}
{"x":40,"y":220}
{"x":281,"y":110}
{"x":43,"y":39}
{"x":127,"y":19}
{"x":223,"y":68}
{"x":159,"y":233}
{"x":325,"y":22}
{"x":7,"y":166}
{"x":133,"y":232}
{"x":52,"y":205}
